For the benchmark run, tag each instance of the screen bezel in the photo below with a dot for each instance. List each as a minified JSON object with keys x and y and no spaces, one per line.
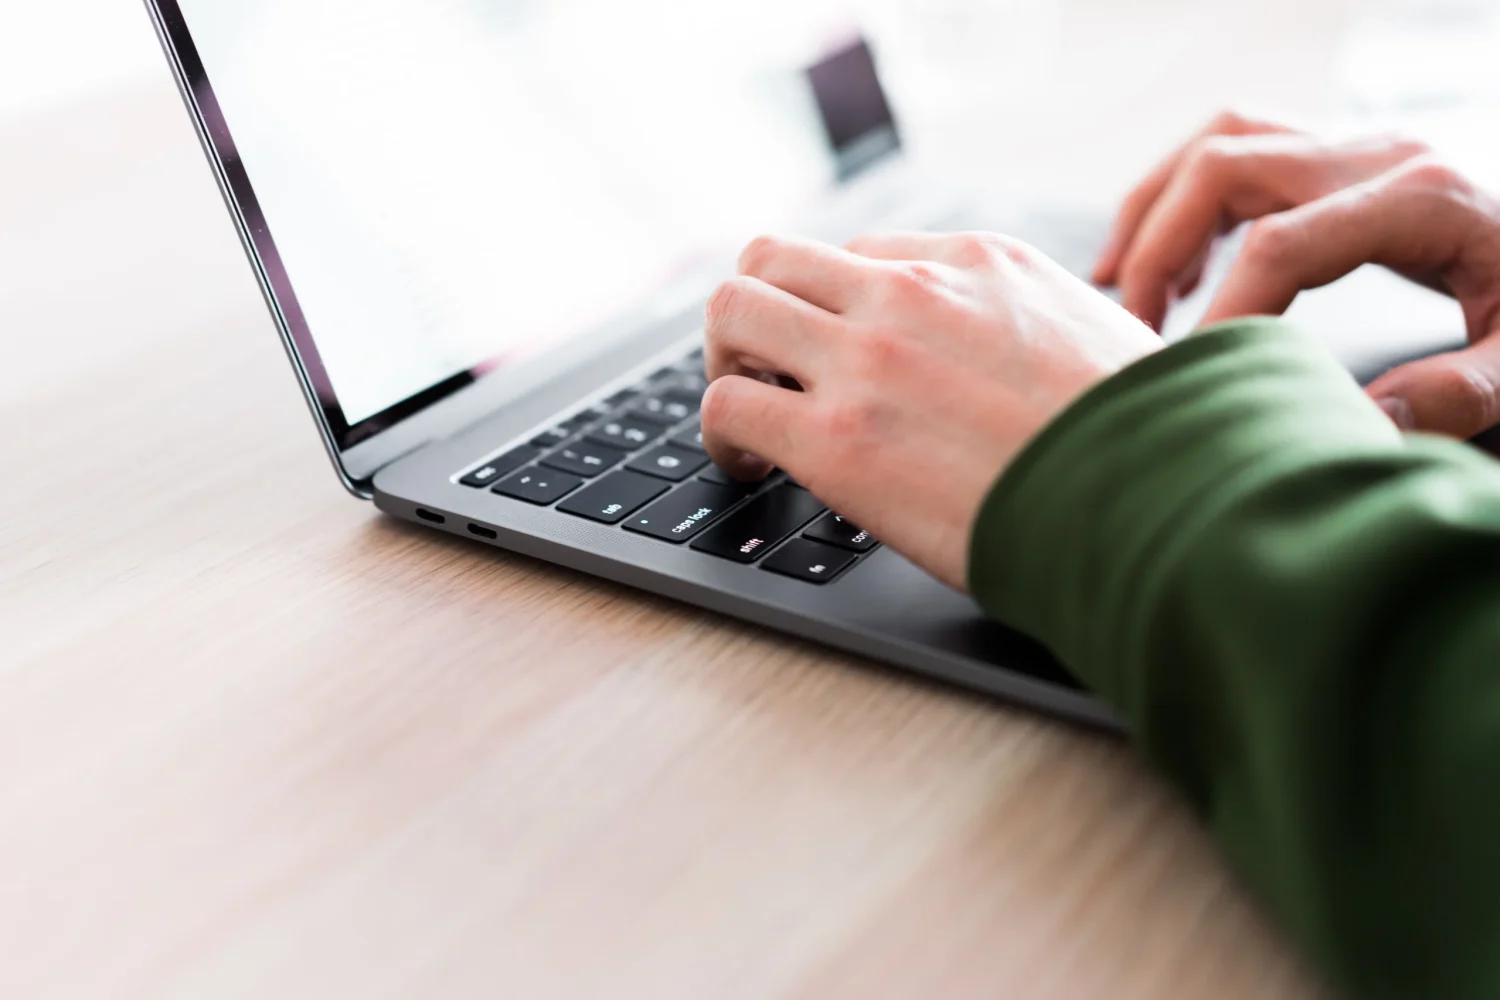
{"x":339,"y":436}
{"x":243,"y":203}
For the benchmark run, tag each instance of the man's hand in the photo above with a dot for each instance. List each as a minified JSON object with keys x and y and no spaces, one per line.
{"x":1324,"y":210}
{"x":1238,"y":168}
{"x":1422,"y":220}
{"x":924,"y":363}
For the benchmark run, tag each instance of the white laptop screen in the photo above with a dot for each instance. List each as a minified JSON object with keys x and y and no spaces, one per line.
{"x":456,"y":185}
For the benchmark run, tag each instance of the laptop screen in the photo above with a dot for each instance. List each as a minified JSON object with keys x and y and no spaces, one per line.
{"x":440,"y":189}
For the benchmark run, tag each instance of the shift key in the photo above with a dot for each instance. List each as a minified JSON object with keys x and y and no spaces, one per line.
{"x":751,"y":532}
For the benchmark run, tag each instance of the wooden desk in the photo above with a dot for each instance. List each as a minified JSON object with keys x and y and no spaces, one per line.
{"x":258,"y":741}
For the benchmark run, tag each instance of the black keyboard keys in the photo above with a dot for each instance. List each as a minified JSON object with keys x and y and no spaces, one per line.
{"x":684,"y":514}
{"x":621,"y":397}
{"x":836,"y":530}
{"x":662,"y":410}
{"x":714,"y":474}
{"x":687,"y":389}
{"x":670,"y":463}
{"x":625,"y":433}
{"x":754,"y":529}
{"x":690,"y":437}
{"x":552,"y":436}
{"x":557,"y":435}
{"x":496,"y":468}
{"x":614,"y":498}
{"x":538,"y":485}
{"x":811,"y":561}
{"x":583,"y":458}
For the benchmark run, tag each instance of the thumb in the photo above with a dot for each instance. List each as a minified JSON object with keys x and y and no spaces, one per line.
{"x":1457,"y":394}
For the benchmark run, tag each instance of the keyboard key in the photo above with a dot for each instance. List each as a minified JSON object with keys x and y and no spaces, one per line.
{"x":554,"y":436}
{"x":810,"y":561}
{"x":687,"y":389}
{"x":690,"y":437}
{"x":714,"y":474}
{"x":662,"y":374}
{"x":551,"y":438}
{"x":661,"y":410}
{"x":584,"y":458}
{"x":620,"y":398}
{"x":750,"y":532}
{"x":496,"y":468}
{"x":615,"y":497}
{"x":682,"y":515}
{"x":842,"y":532}
{"x":538,"y":485}
{"x":625,"y":433}
{"x":670,"y":463}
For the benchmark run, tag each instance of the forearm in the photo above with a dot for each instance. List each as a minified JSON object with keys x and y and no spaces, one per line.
{"x":1298,"y":614}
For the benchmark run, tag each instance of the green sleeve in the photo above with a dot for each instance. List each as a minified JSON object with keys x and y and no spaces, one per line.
{"x":1296,"y":611}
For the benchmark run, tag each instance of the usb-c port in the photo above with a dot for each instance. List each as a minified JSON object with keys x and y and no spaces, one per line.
{"x":483,"y":532}
{"x":428,"y":515}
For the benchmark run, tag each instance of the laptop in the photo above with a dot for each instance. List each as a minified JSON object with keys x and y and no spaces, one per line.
{"x":486,"y":233}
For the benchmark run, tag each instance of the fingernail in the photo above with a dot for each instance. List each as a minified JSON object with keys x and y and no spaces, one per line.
{"x":1399,"y":410}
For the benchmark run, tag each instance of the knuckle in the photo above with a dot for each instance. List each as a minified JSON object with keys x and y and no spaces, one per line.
{"x":1017,"y":252}
{"x":974,"y":249}
{"x":1241,"y":121}
{"x":1231,"y":121}
{"x":727,"y":303}
{"x":1407,"y":146}
{"x":982,"y":248}
{"x":1269,"y":241}
{"x":914,"y":283}
{"x":1428,"y":173}
{"x":1208,"y":156}
{"x":759,"y":253}
{"x":1472,"y":399}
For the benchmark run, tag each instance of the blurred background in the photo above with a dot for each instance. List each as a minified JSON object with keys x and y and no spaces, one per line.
{"x":1045,"y":99}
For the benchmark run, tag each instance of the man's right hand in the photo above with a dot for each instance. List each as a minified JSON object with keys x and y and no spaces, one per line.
{"x":1324,"y":210}
{"x":1236,"y":169}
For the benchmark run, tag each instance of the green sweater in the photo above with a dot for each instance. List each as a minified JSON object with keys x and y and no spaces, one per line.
{"x":1297,"y":613}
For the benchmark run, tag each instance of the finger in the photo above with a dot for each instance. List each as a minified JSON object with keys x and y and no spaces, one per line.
{"x":1457,"y":394}
{"x":1226,"y":180}
{"x":1191,"y":278}
{"x":1139,"y":202}
{"x":750,"y":326}
{"x":750,"y":427}
{"x":824,"y":275}
{"x":1220,"y":183}
{"x":1405,"y":220}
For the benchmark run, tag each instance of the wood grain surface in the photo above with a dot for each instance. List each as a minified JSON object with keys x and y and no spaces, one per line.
{"x":258,"y":741}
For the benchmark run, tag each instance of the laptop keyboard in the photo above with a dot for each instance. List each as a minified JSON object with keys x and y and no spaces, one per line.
{"x":636,"y":461}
